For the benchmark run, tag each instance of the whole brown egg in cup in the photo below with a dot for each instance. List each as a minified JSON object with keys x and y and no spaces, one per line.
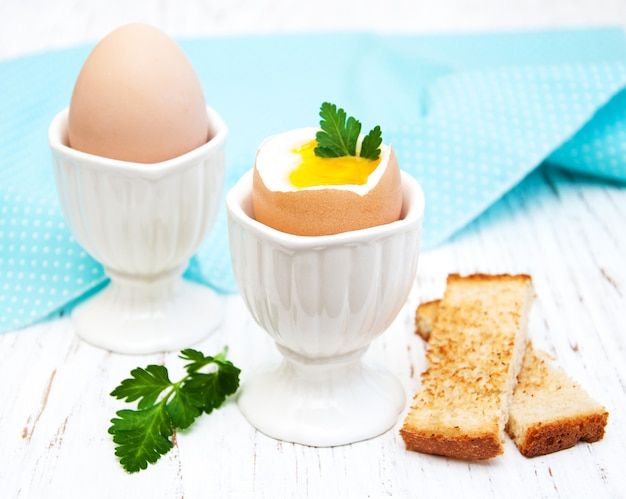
{"x":137,"y":98}
{"x":139,"y":163}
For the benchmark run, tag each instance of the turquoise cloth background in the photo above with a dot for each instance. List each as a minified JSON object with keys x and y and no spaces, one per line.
{"x":470,"y":116}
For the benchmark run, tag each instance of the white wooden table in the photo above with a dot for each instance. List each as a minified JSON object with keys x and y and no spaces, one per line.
{"x":54,"y":389}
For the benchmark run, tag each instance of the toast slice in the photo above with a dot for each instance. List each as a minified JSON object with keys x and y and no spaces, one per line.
{"x":549,"y":411}
{"x":474,"y":355}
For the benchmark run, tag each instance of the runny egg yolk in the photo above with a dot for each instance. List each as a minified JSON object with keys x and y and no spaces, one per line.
{"x":317,"y":171}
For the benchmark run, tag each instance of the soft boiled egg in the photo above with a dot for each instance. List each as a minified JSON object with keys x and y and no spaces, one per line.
{"x":297,"y":192}
{"x":137,"y":98}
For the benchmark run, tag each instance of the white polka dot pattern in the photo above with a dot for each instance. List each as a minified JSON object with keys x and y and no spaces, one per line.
{"x":599,"y":148}
{"x":41,"y":265}
{"x":485,"y":131}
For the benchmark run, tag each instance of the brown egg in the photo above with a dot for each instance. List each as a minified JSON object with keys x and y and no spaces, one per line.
{"x":323,"y":209}
{"x":137,"y":98}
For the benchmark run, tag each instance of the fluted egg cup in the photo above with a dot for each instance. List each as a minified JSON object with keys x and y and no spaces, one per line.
{"x":323,"y":300}
{"x":143,"y":222}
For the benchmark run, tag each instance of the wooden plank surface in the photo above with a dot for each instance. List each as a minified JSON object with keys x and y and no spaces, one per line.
{"x":568,"y":232}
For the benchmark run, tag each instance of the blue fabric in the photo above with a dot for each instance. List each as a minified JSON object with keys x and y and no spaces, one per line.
{"x":469,"y":115}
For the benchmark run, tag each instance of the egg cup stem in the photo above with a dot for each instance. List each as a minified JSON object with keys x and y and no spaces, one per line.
{"x":141,"y":315}
{"x":322,"y":402}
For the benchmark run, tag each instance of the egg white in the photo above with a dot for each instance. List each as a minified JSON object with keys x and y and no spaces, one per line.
{"x":276,"y":159}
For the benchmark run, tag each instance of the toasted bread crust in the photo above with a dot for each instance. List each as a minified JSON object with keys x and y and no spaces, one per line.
{"x":464,"y":447}
{"x":545,"y":438}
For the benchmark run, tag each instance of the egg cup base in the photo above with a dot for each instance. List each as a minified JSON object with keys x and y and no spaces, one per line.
{"x":322,"y":404}
{"x":148,"y":319}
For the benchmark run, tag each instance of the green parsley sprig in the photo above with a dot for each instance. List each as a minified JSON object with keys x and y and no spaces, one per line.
{"x":143,"y":435}
{"x":339,"y":135}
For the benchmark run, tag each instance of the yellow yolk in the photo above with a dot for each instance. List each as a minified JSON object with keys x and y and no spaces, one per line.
{"x":317,"y":171}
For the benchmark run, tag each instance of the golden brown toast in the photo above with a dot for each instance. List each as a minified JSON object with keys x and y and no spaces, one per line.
{"x":549,"y":411}
{"x":474,"y":354}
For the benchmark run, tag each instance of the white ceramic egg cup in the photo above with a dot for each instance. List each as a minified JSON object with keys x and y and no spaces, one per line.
{"x":323,"y":300}
{"x":143,"y":222}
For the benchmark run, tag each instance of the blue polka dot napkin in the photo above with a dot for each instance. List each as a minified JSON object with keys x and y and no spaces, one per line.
{"x":469,"y":115}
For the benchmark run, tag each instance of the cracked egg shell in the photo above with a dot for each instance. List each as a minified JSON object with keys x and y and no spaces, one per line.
{"x":322,"y":209}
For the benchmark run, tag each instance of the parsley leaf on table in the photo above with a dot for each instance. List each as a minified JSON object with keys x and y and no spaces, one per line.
{"x":339,"y":135}
{"x":143,"y":435}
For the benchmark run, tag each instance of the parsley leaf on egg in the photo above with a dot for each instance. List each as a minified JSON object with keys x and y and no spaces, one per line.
{"x":370,"y":148}
{"x":143,"y":435}
{"x":339,"y":135}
